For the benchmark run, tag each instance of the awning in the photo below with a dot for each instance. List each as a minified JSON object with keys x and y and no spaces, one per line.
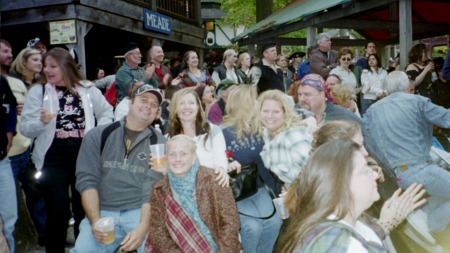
{"x":292,"y":12}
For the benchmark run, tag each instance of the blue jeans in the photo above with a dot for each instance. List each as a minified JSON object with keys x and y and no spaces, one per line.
{"x":364,"y":104}
{"x":35,"y":203}
{"x":258,"y":235}
{"x":125,"y":220}
{"x":8,"y":202}
{"x":436,"y":182}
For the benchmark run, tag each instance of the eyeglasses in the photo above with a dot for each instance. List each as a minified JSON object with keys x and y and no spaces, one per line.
{"x":346,"y":59}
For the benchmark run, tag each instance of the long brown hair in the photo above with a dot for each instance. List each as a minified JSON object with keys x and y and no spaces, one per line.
{"x":415,"y":54}
{"x":323,"y":189}
{"x":175,"y":126}
{"x":335,"y":130}
{"x":71,"y":75}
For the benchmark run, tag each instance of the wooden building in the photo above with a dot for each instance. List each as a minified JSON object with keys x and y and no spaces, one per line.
{"x":385,"y":22}
{"x":104,"y":27}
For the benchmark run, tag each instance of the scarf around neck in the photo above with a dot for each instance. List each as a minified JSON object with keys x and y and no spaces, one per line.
{"x":184,"y":187}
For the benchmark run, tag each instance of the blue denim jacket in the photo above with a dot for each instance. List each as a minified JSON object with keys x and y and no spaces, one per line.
{"x":399,"y":128}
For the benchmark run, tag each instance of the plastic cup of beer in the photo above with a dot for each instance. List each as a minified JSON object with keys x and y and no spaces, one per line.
{"x":50,"y":114}
{"x":158,"y":154}
{"x":281,"y":209}
{"x":106,"y":225}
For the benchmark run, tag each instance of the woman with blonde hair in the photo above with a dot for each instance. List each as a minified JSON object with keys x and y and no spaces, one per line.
{"x":286,"y":136}
{"x":189,"y":211}
{"x":283,"y":63}
{"x":343,"y":97}
{"x":259,"y":223}
{"x":27,"y":66}
{"x":243,"y":66}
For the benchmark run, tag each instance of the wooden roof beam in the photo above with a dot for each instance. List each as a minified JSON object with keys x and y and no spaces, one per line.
{"x":314,"y":20}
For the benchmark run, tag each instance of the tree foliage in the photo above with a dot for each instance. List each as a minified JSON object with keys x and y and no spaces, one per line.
{"x":243,"y":12}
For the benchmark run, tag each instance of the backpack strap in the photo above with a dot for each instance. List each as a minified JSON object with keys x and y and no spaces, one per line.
{"x":109,"y":129}
{"x":106,"y":132}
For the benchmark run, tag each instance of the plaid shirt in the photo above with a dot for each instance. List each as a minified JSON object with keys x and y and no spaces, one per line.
{"x":286,"y":154}
{"x":333,"y":236}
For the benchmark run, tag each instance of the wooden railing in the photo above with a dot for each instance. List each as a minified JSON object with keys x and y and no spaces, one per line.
{"x":184,"y":9}
{"x":187,"y":10}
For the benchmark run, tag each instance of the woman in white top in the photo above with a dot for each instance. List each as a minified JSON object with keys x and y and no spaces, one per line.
{"x":187,"y":117}
{"x":373,"y":80}
{"x":344,"y":72}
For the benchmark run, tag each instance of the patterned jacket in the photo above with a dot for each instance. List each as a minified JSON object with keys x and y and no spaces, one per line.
{"x":216,"y":206}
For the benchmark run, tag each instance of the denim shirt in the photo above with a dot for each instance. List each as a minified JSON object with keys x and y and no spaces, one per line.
{"x":402,"y":125}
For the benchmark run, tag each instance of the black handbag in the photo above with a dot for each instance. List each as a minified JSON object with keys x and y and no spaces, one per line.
{"x":244,"y":184}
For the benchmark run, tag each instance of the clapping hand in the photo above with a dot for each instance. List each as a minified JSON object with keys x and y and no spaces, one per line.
{"x":400,"y":205}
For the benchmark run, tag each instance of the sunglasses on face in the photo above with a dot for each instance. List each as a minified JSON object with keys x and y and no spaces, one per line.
{"x":346,"y":59}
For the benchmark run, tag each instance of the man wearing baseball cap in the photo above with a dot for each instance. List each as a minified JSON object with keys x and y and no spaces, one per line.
{"x":130,"y":70}
{"x":217,"y":111}
{"x":265,"y":74}
{"x":114,"y":178}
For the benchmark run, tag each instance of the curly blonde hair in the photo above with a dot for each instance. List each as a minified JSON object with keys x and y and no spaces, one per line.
{"x":291,"y":117}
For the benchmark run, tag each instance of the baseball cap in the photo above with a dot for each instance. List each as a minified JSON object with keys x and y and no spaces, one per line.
{"x":148,"y":88}
{"x":225,"y":84}
{"x":33,"y":42}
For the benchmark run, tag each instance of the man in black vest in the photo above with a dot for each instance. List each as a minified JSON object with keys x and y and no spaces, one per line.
{"x":265,"y":74}
{"x":226,"y":70}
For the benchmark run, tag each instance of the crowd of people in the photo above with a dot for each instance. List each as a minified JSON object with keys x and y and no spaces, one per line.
{"x":325,"y":134}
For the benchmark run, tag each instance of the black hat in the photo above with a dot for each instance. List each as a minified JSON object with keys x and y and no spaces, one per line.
{"x":267,"y":46}
{"x":130,"y":46}
{"x":296,"y":55}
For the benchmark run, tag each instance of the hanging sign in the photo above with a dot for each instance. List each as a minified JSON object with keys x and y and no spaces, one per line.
{"x":157,"y":22}
{"x":63,"y":32}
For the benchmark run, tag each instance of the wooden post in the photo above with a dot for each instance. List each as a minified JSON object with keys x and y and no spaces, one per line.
{"x":82,"y":29}
{"x":310,"y":36}
{"x":251,"y":49}
{"x":405,"y":31}
{"x":201,"y":58}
